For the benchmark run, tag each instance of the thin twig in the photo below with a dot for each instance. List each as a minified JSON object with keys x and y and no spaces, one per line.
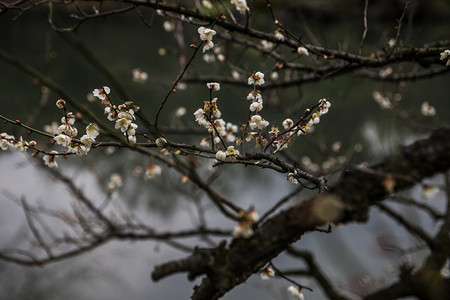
{"x":365,"y":27}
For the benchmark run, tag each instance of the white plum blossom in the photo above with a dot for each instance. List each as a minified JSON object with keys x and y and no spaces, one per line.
{"x":115,"y":181}
{"x":204,"y":143}
{"x":87,"y":140}
{"x":254,"y":96}
{"x":209,"y":58}
{"x":257,"y":79}
{"x":63,"y":140}
{"x":429,"y":191}
{"x":267,"y":273}
{"x":78,"y":149}
{"x":111,"y":113}
{"x":274,"y":75}
{"x":302,"y":51}
{"x":232,"y":153}
{"x":221,"y":155}
{"x":383,"y":101}
{"x":208,"y":45}
{"x":131,"y":129}
{"x":291,"y":178}
{"x":279,"y":35}
{"x":296,"y":292}
{"x":52,"y":128}
{"x":207,"y":4}
{"x":181,"y":111}
{"x":258,"y":121}
{"x":132,"y":139}
{"x":206,"y":33}
{"x":427,"y":110}
{"x":287,"y":123}
{"x":214,"y":109}
{"x":139,"y":76}
{"x":6,"y":141}
{"x":256,"y":106}
{"x":385,"y":72}
{"x":92,"y":130}
{"x":231,"y":127}
{"x":200,"y":118}
{"x":102,"y":93}
{"x":199,"y":114}
{"x":241,"y":5}
{"x":49,"y":160}
{"x":446,"y":55}
{"x":213,"y":86}
{"x":325,"y":105}
{"x":152,"y":170}
{"x":122,"y":124}
{"x":244,"y":227}
{"x":169,"y":26}
{"x":67,"y":129}
{"x":267,"y":45}
{"x":280,"y":145}
{"x":123,"y":115}
{"x":21,"y":145}
{"x":69,"y":118}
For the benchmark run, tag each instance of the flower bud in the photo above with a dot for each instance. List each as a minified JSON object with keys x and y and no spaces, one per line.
{"x":61,"y":103}
{"x":160,"y":142}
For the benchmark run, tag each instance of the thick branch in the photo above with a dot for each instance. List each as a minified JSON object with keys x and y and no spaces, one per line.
{"x":348,"y":201}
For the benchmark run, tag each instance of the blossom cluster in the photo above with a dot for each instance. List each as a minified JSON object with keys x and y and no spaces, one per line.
{"x":65,"y":136}
{"x":122,"y":114}
{"x":8,"y":142}
{"x":66,"y":133}
{"x":206,"y":35}
{"x":304,"y":126}
{"x":209,"y":117}
{"x":256,"y":121}
{"x":231,"y":153}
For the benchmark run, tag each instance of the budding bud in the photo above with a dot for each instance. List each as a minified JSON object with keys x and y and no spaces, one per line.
{"x":60,"y":103}
{"x":160,"y":142}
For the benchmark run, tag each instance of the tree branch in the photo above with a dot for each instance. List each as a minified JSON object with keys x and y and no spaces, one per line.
{"x":348,"y":201}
